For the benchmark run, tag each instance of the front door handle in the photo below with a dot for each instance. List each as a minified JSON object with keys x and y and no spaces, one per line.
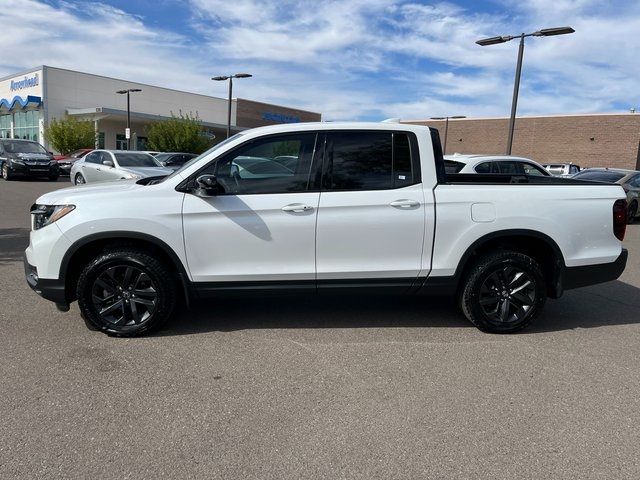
{"x":296,"y":207}
{"x":404,"y":203}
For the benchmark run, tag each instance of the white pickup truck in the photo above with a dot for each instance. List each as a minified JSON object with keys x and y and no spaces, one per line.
{"x":319,"y":207}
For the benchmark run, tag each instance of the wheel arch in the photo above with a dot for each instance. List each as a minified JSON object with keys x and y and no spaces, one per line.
{"x":87,"y":247}
{"x":530,"y":242}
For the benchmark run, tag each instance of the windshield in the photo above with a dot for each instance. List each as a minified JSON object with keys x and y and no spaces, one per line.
{"x":161,"y":157}
{"x":136,"y":160}
{"x":211,"y":150}
{"x":23,"y":147}
{"x":599,"y":176}
{"x":79,"y":153}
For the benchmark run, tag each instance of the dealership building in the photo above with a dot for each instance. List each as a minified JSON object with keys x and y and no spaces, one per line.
{"x":589,"y":140}
{"x":29,"y":100}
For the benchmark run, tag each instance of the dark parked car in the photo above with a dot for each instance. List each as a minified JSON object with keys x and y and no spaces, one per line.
{"x":174,"y":160}
{"x":65,"y":161}
{"x":26,"y":158}
{"x":629,"y":179}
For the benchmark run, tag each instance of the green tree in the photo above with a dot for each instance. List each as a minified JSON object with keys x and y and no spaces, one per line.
{"x":180,"y":133}
{"x":70,"y":134}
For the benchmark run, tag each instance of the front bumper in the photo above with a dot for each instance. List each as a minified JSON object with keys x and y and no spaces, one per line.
{"x":53,"y":290}
{"x":576,"y":277}
{"x":65,"y":168}
{"x":34,"y":170}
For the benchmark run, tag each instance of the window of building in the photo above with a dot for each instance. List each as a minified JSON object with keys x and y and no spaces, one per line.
{"x":121,"y":142}
{"x":5,"y":126}
{"x":26,"y":125}
{"x":141,"y":143}
{"x":100,"y":139}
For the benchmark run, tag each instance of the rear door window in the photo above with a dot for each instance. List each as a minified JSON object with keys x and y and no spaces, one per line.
{"x":378,"y":160}
{"x":510,"y":168}
{"x":487,"y":167}
{"x":532,"y":170}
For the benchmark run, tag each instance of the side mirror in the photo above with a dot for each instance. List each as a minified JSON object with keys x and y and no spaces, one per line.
{"x":108,"y":163}
{"x":207,"y":186}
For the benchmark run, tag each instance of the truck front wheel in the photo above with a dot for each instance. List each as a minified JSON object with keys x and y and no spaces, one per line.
{"x":126,"y":292}
{"x":503,"y":292}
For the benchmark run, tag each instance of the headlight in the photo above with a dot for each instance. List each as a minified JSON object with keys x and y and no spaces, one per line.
{"x":44,"y":215}
{"x":15,"y":160}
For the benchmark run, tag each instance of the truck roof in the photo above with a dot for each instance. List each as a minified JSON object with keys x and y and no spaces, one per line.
{"x":339,"y":126}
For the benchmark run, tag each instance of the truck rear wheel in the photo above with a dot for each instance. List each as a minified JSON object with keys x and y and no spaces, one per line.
{"x":126,"y":292}
{"x":503,"y":292}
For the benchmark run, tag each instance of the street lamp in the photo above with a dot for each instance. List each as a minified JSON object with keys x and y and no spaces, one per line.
{"x":230,"y":78}
{"x":128,"y":131}
{"x":446,"y":128}
{"x":545,"y":32}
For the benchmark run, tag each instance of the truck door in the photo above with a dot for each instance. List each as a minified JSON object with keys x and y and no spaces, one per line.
{"x":371,"y":216}
{"x":261,"y":225}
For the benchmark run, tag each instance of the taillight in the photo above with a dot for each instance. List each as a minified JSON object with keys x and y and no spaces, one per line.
{"x":620,"y":219}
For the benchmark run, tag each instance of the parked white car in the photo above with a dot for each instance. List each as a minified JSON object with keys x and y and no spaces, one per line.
{"x":503,"y":164}
{"x":365,"y":207}
{"x":109,"y":165}
{"x":565,"y":170}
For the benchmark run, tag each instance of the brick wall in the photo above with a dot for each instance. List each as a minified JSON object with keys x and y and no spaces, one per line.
{"x":588,"y":140}
{"x":256,"y":114}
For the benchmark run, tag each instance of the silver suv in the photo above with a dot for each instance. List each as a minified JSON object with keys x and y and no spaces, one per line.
{"x":107,"y":165}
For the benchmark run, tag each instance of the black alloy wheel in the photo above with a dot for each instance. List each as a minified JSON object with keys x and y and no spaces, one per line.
{"x":125,"y":291}
{"x":79,"y":179}
{"x":503,"y":291}
{"x":507,"y":295}
{"x":124,"y":295}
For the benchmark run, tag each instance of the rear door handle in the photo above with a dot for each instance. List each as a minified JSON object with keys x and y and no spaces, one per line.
{"x":296,"y":207}
{"x":404,"y":203}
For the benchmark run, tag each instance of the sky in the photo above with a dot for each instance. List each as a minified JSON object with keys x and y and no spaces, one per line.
{"x":348,"y":59}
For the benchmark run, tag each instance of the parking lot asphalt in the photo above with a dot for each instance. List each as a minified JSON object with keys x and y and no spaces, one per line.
{"x":341,"y":387}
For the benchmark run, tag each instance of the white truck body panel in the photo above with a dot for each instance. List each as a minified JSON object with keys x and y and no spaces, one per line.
{"x":345,"y":235}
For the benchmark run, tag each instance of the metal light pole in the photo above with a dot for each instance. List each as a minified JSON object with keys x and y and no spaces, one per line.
{"x":230,"y":78}
{"x":128,"y":132}
{"x":545,"y":32}
{"x":446,"y":128}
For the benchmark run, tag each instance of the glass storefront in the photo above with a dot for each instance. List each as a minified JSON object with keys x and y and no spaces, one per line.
{"x":25,"y":125}
{"x":5,"y":126}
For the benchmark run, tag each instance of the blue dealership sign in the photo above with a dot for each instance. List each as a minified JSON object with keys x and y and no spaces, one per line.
{"x":26,"y":82}
{"x":280,"y":117}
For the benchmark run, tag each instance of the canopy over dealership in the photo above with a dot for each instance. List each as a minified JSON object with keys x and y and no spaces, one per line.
{"x":29,"y":100}
{"x":589,"y":140}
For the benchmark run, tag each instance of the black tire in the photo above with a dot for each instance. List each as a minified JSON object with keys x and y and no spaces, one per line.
{"x":54,"y":178}
{"x":79,"y":179}
{"x":511,"y":282}
{"x":632,"y":212}
{"x":6,"y":174}
{"x":126,"y":292}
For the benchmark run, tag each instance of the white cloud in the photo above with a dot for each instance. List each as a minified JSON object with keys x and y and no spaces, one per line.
{"x":349,"y":58}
